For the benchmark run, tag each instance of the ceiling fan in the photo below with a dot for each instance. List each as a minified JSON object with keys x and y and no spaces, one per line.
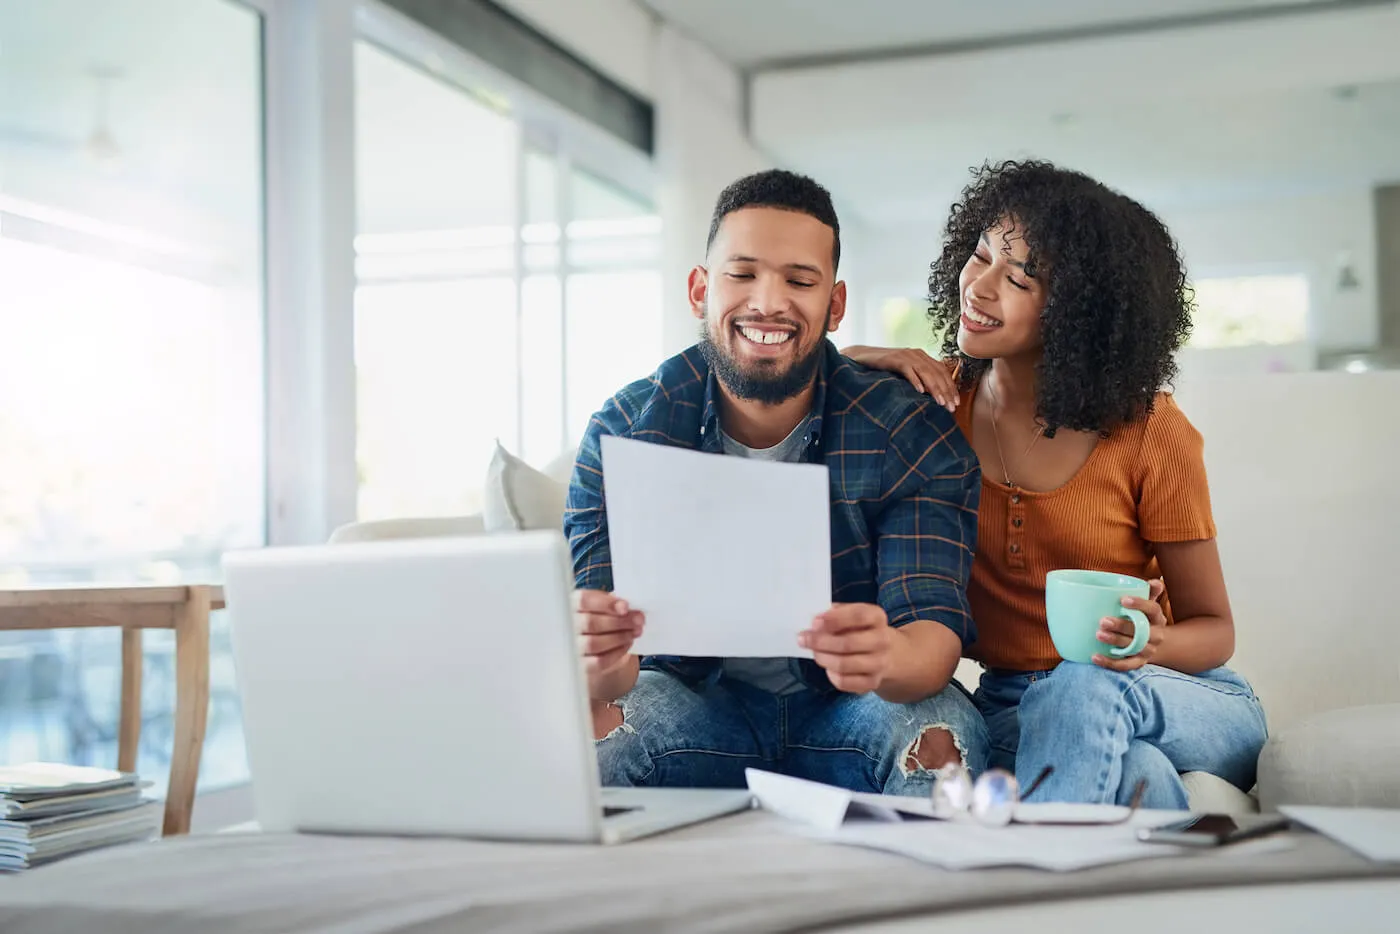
{"x":99,"y":144}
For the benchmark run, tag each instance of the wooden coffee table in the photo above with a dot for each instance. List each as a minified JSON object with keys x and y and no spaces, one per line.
{"x":133,"y":609}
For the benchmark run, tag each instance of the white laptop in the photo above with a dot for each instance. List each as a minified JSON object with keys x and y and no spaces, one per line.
{"x":428,"y":686}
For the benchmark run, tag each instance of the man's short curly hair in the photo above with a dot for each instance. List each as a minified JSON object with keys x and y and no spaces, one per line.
{"x":1117,"y":303}
{"x":778,"y":188}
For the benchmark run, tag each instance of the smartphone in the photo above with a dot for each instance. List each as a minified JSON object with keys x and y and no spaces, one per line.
{"x":1214,"y":829}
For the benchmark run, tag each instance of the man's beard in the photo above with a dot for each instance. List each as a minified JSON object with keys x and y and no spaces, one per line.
{"x":760,"y":383}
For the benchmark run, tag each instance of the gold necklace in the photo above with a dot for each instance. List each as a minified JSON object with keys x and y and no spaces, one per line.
{"x":996,"y":434}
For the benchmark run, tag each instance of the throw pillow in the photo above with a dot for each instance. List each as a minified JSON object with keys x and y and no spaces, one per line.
{"x":561,"y":469}
{"x":519,"y":497}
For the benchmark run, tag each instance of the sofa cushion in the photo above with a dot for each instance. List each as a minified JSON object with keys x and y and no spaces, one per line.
{"x":519,"y":497}
{"x":377,"y":530}
{"x":561,"y":469}
{"x":1341,"y":758}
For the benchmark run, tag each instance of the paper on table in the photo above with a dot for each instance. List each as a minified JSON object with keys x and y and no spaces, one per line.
{"x":965,"y":845}
{"x":905,"y":825}
{"x":726,"y":556}
{"x":1372,"y":832}
{"x":826,"y":807}
{"x":1059,"y":812}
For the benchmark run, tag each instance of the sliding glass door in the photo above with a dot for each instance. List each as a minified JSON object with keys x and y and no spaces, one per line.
{"x":131,"y":369}
{"x":504,"y":290}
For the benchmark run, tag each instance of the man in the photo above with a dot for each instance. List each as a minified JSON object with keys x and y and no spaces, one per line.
{"x":875,"y":709}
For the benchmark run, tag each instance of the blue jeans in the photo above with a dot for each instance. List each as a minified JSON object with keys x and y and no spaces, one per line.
{"x":1104,"y":730}
{"x":705,"y":736}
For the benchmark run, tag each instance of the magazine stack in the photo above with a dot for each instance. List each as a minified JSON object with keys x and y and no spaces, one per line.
{"x":49,"y":810}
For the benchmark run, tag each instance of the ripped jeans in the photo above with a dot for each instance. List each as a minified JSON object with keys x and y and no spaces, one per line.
{"x":704,"y":737}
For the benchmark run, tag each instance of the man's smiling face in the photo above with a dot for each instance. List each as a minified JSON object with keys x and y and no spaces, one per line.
{"x":767,"y":300}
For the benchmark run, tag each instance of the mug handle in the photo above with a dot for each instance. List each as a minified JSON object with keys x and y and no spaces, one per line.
{"x":1142,"y":630}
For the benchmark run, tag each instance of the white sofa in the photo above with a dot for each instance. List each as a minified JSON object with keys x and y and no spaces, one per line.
{"x":1305,"y":505}
{"x":1301,"y":470}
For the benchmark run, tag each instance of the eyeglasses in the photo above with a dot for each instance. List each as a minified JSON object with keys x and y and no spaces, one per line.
{"x":993,"y":798}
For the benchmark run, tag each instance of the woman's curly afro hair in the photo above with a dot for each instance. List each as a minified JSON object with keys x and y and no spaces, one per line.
{"x":1117,"y":304}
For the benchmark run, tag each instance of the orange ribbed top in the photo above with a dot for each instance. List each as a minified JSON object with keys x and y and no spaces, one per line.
{"x":1144,"y":483}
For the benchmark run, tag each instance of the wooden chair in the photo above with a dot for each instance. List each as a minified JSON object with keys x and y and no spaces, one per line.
{"x":185,"y":609}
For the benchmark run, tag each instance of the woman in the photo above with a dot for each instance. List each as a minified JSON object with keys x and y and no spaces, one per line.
{"x":1061,"y":304}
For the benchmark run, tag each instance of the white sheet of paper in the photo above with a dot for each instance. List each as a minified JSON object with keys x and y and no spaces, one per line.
{"x":726,"y":556}
{"x":892,"y":823}
{"x":1057,"y":812}
{"x":1372,"y":832}
{"x":964,"y":845}
{"x":826,"y":807}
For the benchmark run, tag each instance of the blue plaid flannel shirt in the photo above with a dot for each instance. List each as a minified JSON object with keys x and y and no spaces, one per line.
{"x":904,"y":490}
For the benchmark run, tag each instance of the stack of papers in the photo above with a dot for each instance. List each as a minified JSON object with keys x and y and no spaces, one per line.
{"x":1372,"y":832}
{"x":49,"y":810}
{"x":1060,"y":838}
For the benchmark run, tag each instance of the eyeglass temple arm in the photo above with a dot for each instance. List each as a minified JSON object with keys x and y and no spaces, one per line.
{"x":1039,"y":780}
{"x":1139,"y":789}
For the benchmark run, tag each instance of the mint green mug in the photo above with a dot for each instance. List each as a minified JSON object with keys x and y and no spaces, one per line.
{"x":1075,"y":602}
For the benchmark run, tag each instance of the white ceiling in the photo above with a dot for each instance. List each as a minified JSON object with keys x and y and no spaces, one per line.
{"x":1208,"y":115}
{"x":1171,"y":153}
{"x":755,"y":33}
{"x":185,"y":114}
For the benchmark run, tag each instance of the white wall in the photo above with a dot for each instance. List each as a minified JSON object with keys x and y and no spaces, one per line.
{"x":857,"y":260}
{"x":1303,"y":234}
{"x":1195,"y":364}
{"x":897,"y":258}
{"x":701,"y":147}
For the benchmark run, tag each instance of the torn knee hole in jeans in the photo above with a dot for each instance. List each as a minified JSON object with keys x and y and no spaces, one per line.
{"x":609,"y":720}
{"x":936,"y":747}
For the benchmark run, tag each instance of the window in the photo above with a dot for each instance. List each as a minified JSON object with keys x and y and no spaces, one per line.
{"x":612,"y":296}
{"x":435,"y":310}
{"x":541,"y":311}
{"x":504,"y":286}
{"x":602,"y":329}
{"x":132,"y":369}
{"x":504,"y":291}
{"x":1243,"y":311}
